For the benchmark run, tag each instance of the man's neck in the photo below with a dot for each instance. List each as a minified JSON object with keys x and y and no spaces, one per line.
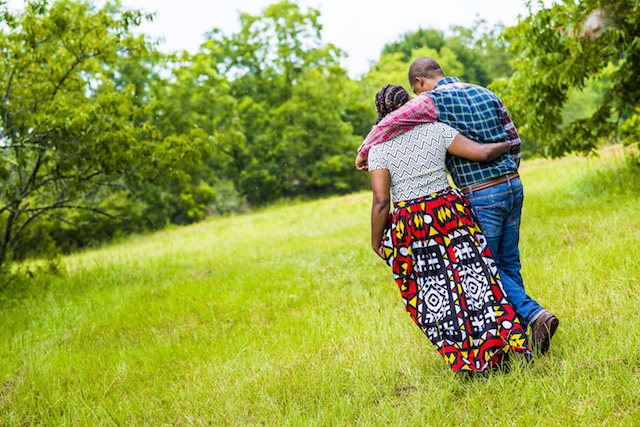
{"x":437,"y":80}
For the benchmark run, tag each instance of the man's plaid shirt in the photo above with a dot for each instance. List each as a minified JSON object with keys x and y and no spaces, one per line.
{"x":475,"y":111}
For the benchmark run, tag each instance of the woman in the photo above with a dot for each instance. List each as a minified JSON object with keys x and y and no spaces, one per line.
{"x":440,"y":258}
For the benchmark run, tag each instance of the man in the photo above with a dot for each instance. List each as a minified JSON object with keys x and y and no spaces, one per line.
{"x":494,"y":190}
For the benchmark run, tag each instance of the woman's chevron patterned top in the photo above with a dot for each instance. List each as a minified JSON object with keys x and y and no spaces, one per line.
{"x":415,"y":160}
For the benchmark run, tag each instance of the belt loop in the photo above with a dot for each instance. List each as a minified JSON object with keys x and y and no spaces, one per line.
{"x":509,"y":181}
{"x":470,"y":190}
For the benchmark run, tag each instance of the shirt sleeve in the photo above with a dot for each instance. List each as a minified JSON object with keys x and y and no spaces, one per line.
{"x":447,"y":133}
{"x":417,"y":111}
{"x":376,"y":158}
{"x":512,"y":136}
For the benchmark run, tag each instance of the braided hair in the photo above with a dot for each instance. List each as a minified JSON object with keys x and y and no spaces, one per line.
{"x":389,"y":98}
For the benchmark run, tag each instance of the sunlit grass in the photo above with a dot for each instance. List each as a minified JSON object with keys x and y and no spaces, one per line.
{"x":286,"y":317}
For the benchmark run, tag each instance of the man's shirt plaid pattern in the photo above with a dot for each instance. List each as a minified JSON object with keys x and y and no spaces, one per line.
{"x":475,"y":111}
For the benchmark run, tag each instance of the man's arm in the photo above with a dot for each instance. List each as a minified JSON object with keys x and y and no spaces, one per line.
{"x":417,"y":111}
{"x":469,"y":149}
{"x":512,"y":136}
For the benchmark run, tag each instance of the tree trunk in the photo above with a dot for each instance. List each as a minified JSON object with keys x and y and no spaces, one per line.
{"x":6,"y":238}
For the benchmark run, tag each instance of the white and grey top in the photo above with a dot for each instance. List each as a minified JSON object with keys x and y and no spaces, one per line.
{"x":415,"y":160}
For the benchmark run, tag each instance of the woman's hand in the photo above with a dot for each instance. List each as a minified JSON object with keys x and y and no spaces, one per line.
{"x":379,"y":252}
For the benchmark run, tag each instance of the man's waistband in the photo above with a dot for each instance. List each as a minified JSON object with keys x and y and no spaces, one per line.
{"x":488,"y":184}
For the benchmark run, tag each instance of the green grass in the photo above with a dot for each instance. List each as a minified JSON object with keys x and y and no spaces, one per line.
{"x":286,"y":317}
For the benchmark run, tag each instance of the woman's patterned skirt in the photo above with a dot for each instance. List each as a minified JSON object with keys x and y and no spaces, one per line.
{"x":449,"y":282}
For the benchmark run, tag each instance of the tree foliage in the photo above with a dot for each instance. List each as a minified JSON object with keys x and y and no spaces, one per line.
{"x":67,"y":135}
{"x":293,"y":106}
{"x":576,"y":48}
{"x":475,"y":55}
{"x":394,"y":67}
{"x":101,"y":135}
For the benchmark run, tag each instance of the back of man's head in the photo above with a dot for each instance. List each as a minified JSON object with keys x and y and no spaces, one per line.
{"x":425,"y":67}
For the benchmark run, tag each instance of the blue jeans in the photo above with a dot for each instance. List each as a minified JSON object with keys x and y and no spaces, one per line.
{"x":498,"y":210}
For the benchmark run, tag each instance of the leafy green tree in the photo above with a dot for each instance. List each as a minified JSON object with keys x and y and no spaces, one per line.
{"x":568,"y":49}
{"x":394,"y":68}
{"x":433,"y":39}
{"x":475,"y":55}
{"x":68,"y":134}
{"x":292,"y":104}
{"x":493,"y":52}
{"x":195,"y":100}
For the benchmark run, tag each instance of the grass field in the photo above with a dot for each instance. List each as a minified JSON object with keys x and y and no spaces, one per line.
{"x":286,"y":317}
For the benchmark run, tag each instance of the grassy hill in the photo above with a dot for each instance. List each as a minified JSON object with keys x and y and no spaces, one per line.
{"x":286,"y":317}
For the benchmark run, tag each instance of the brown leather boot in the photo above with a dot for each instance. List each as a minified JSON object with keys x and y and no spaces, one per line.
{"x":542,"y":330}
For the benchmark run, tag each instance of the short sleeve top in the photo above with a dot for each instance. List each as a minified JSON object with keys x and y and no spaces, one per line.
{"x":415,"y":160}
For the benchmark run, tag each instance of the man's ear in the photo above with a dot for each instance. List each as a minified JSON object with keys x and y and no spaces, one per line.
{"x":414,"y":83}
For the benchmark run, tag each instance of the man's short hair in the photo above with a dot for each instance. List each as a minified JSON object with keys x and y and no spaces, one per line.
{"x":424,"y":67}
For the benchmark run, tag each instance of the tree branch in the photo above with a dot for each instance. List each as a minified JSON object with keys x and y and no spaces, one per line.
{"x":24,"y":225}
{"x":6,"y":93}
{"x":22,"y":145}
{"x":58,"y":178}
{"x":77,"y":62}
{"x":34,"y":174}
{"x":16,"y":235}
{"x":5,"y":208}
{"x":62,"y":205}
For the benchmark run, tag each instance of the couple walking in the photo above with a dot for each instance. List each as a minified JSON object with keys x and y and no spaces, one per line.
{"x":454,"y":253}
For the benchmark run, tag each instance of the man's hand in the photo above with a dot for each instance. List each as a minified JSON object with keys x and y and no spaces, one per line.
{"x":361,"y":163}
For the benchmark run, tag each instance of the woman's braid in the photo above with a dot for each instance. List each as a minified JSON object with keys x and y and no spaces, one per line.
{"x":389,"y":98}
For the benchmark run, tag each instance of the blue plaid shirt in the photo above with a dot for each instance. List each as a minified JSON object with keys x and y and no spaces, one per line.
{"x":479,"y":115}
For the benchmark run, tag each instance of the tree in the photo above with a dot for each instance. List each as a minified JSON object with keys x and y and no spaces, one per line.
{"x":394,"y":68}
{"x":570,"y":48}
{"x":433,"y":39}
{"x":67,"y":134}
{"x":195,"y":100}
{"x":475,"y":55}
{"x":292,"y":104}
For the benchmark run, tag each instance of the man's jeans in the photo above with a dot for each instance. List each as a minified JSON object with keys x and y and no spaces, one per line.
{"x":498,"y":210}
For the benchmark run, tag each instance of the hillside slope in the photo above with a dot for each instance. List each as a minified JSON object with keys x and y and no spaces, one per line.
{"x":286,"y":317}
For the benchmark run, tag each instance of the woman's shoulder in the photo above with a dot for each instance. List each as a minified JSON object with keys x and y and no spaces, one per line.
{"x":435,"y":126}
{"x":376,"y":157}
{"x":433,"y":129}
{"x":377,"y":149}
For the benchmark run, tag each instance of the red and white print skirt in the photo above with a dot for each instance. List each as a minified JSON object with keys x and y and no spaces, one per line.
{"x":449,"y":282}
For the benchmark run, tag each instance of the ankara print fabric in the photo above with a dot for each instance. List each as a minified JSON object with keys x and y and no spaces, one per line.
{"x":449,"y":282}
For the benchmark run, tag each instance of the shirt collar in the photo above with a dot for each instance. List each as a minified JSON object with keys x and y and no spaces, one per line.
{"x":446,"y":81}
